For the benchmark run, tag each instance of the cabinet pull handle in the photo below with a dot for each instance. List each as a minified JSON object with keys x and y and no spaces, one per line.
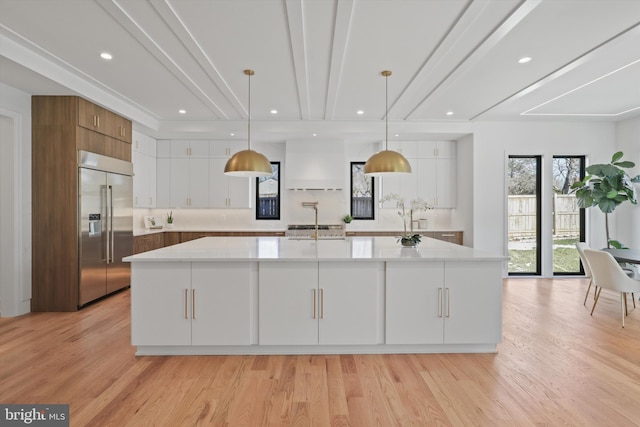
{"x":98,"y":120}
{"x":193,"y":303}
{"x":186,"y":298}
{"x":314,"y":303}
{"x":321,"y":303}
{"x":448,"y":235}
{"x":439,"y":302}
{"x":448,"y":303}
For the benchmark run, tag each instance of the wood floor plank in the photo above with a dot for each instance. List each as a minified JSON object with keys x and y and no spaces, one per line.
{"x":557,"y":365}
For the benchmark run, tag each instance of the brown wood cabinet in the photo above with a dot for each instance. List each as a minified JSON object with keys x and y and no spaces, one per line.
{"x":58,"y":132}
{"x":148,"y":242}
{"x":103,"y":121}
{"x":447,"y":236}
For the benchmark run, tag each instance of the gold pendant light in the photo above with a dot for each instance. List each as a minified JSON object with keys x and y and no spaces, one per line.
{"x":386,"y":162}
{"x":248,"y":163}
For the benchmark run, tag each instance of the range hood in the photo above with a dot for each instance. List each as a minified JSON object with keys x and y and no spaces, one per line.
{"x":314,"y":165}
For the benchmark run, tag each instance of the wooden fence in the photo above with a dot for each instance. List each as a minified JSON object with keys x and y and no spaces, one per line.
{"x":522,"y":216}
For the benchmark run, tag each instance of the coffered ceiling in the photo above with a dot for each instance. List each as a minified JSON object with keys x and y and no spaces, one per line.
{"x":318,"y":62}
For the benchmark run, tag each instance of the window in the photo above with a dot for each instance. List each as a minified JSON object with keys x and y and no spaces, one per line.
{"x":362,"y":193}
{"x":268,"y":194}
{"x":524,"y":205}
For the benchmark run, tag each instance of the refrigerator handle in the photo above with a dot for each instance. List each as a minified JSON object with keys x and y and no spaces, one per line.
{"x":111,"y":254}
{"x":105,"y":223}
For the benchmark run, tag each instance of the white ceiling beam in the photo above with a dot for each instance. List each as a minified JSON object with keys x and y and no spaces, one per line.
{"x":483,"y":49}
{"x":342,"y":27}
{"x":295,"y":18}
{"x":177,"y":25}
{"x":113,"y":8}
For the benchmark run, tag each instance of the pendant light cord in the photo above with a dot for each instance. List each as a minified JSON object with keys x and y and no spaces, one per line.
{"x":249,"y":112}
{"x":386,"y":111}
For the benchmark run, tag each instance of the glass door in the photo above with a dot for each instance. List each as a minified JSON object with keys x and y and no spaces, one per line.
{"x":524,"y":205}
{"x":568,"y":218}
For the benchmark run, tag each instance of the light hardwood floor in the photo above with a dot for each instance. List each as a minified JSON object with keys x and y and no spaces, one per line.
{"x":556,"y":366}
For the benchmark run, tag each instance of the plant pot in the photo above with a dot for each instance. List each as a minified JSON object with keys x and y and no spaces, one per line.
{"x":169,"y":225}
{"x":408,"y":243}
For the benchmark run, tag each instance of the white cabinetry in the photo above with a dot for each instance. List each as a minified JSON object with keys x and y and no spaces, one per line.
{"x":226,"y":148}
{"x":172,"y":305}
{"x":190,"y":174}
{"x":143,"y":155}
{"x":348,"y":298}
{"x":303,"y":303}
{"x":160,"y":304}
{"x":424,"y":308}
{"x":433,"y":164}
{"x":414,"y":303}
{"x":222,"y":311}
{"x":189,"y":185}
{"x":226,"y":191}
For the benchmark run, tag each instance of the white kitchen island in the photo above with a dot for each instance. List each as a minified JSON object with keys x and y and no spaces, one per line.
{"x":272,"y":295}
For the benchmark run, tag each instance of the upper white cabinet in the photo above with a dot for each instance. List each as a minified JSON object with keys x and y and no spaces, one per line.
{"x":190,"y":174}
{"x":227,"y":191}
{"x":433,"y":164}
{"x":195,"y":149}
{"x":189,"y":182}
{"x":226,"y":148}
{"x":143,"y":157}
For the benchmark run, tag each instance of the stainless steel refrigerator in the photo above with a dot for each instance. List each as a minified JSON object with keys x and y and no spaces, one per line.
{"x":105,"y":230}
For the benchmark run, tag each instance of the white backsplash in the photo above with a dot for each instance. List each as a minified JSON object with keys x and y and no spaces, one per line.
{"x":332,"y":207}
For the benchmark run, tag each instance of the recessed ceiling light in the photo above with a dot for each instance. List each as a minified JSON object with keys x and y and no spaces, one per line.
{"x":274,"y":111}
{"x":232,"y":134}
{"x":106,"y":55}
{"x":449,"y":113}
{"x":315,"y":134}
{"x":182,"y":111}
{"x":359,"y":112}
{"x":524,"y":60}
{"x":397,"y":134}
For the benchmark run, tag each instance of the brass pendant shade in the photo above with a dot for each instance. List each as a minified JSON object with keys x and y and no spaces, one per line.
{"x":248,"y":163}
{"x":386,"y":162}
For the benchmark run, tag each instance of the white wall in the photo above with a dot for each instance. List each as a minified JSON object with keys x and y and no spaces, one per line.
{"x":628,"y":215}
{"x":15,"y":194}
{"x":494,"y":141}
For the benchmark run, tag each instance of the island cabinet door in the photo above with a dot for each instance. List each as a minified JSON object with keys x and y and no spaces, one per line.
{"x":221,"y":300}
{"x":287,"y":302}
{"x":473,"y":302}
{"x":160,"y":313}
{"x":415,"y":310}
{"x":348,"y":302}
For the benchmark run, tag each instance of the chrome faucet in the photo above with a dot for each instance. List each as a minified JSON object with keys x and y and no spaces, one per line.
{"x":313,"y":205}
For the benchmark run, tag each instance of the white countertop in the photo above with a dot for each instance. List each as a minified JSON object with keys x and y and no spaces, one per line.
{"x":284,"y":249}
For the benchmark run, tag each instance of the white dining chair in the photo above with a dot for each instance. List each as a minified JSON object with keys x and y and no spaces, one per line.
{"x":581,"y":246}
{"x":607,"y":273}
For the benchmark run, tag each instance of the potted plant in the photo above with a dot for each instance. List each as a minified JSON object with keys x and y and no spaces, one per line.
{"x":170,"y":220}
{"x":408,"y":239}
{"x":607,"y":186}
{"x":347,"y":219}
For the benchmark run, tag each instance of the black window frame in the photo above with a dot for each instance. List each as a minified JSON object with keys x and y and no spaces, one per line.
{"x":277,"y":198}
{"x":351,"y":200}
{"x":583,"y":221}
{"x":538,"y":270}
